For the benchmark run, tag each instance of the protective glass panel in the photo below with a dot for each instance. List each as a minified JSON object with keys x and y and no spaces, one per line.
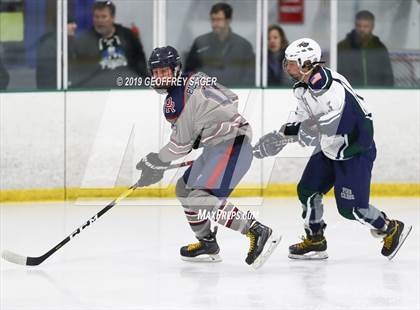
{"x":213,"y":43}
{"x":28,"y":39}
{"x":108,"y":43}
{"x":288,"y":21}
{"x":379,"y":43}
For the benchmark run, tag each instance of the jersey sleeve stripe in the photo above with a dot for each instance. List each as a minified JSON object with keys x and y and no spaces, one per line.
{"x":178,"y":153}
{"x":180,"y":144}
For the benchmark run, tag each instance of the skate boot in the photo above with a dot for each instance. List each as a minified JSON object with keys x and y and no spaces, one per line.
{"x":394,"y":238}
{"x":263,"y":242}
{"x":377,"y":233}
{"x":205,"y":250}
{"x":312,"y":247}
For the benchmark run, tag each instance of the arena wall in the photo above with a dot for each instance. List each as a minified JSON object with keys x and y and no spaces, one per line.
{"x":53,"y":144}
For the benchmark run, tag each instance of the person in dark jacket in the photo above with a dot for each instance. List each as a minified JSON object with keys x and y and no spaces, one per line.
{"x":362,"y":57}
{"x":4,"y":77}
{"x":277,"y":44}
{"x":222,"y":53}
{"x":106,"y":51}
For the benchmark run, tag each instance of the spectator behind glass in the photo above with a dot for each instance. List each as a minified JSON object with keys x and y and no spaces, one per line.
{"x":106,"y":51}
{"x":46,"y":64}
{"x":222,"y":53}
{"x":362,"y":57}
{"x":277,"y":44}
{"x":4,"y":76}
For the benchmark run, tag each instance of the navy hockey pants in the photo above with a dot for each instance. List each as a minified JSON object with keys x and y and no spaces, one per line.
{"x":351,"y":181}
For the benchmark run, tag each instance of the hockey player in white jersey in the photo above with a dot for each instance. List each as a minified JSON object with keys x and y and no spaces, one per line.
{"x":331,"y":117}
{"x":205,"y":115}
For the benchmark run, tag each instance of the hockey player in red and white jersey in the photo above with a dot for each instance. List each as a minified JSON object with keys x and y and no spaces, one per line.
{"x":205,"y":115}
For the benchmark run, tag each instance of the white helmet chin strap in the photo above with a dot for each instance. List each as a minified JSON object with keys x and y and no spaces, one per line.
{"x":304,"y":74}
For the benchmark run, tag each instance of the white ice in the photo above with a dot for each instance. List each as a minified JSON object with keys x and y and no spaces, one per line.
{"x":129,"y":259}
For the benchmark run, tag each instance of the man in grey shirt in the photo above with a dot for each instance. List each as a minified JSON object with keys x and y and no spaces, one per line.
{"x":222,"y":53}
{"x":204,"y":114}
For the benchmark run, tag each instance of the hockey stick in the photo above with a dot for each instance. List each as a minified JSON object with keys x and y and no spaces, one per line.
{"x":34,"y":261}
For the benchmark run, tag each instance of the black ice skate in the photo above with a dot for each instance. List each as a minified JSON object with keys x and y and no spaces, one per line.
{"x":205,"y":250}
{"x":263,"y":242}
{"x":395,"y":236}
{"x":313,"y":247}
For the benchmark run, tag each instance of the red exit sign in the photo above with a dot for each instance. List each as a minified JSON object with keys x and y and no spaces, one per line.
{"x":290,"y":11}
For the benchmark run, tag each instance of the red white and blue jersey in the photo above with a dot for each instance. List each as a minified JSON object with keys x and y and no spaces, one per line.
{"x":206,"y":111}
{"x":345,"y":124}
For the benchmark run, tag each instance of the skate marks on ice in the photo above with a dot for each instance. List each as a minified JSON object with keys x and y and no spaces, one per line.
{"x":132,"y":260}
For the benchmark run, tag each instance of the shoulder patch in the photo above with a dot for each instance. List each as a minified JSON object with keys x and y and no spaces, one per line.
{"x":320,"y":81}
{"x":315,"y":78}
{"x":174,"y":104}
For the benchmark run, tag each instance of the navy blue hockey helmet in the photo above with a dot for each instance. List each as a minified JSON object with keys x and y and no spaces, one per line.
{"x":166,"y":56}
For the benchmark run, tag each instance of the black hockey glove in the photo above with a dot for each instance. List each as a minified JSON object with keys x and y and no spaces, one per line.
{"x":152,"y":169}
{"x":270,"y":144}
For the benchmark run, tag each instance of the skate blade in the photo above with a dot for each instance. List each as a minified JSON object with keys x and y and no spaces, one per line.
{"x":204,"y":258}
{"x":310,"y":256}
{"x":269,"y":247}
{"x":403,"y":236}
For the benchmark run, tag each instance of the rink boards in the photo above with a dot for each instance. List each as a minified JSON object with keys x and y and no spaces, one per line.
{"x":60,"y":145}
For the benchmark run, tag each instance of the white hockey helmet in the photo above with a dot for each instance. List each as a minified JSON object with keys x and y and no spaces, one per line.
{"x":305,"y":51}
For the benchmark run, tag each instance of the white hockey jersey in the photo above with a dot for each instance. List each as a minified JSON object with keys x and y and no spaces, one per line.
{"x":203,"y":115}
{"x":345,"y":125}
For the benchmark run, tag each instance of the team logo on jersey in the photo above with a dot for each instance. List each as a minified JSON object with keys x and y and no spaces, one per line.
{"x":174,"y":104}
{"x":347,"y":194}
{"x":303,"y":44}
{"x":169,"y":106}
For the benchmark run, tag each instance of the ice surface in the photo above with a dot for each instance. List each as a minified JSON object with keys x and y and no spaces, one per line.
{"x":129,"y":259}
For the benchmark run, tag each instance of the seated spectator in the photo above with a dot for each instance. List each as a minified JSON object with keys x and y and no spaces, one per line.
{"x":362,"y":57}
{"x":277,"y":43}
{"x":106,"y":51}
{"x":4,"y":77}
{"x":222,"y":53}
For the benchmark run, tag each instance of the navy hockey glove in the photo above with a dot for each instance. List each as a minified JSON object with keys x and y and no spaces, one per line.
{"x":152,"y":169}
{"x":270,"y":144}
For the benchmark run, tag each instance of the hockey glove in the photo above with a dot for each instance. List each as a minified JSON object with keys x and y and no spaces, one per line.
{"x":152,"y":169}
{"x":308,"y":134}
{"x":270,"y":144}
